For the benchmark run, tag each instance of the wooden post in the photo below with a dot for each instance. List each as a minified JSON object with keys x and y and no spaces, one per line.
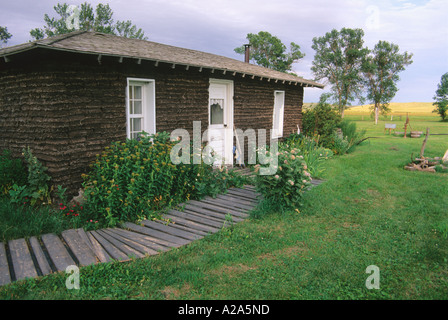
{"x":422,"y":150}
{"x":445,"y":157}
{"x":406,"y":124}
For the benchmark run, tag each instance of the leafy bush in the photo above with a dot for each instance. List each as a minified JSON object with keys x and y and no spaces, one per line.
{"x":351,"y":134}
{"x":136,"y":179}
{"x":12,"y":171}
{"x":322,"y":121}
{"x":313,"y":154}
{"x":38,"y":179}
{"x":286,"y":187}
{"x":35,"y":190}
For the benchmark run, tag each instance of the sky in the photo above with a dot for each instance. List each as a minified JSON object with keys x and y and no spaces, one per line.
{"x":218,"y":26}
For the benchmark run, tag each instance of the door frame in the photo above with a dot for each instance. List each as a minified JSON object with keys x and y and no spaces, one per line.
{"x":227,"y":118}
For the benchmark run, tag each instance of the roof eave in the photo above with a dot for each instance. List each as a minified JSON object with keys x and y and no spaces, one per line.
{"x":49,"y":46}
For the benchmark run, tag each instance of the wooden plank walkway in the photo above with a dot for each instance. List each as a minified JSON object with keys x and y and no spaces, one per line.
{"x":39,"y":256}
{"x":48,"y":253}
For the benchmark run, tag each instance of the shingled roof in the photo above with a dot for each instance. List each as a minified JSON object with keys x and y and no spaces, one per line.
{"x":88,"y":42}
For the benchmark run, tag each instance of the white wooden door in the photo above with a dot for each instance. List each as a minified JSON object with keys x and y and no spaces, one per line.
{"x":220,"y":129}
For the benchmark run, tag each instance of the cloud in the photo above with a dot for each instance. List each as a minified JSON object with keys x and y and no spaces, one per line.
{"x":218,"y":26}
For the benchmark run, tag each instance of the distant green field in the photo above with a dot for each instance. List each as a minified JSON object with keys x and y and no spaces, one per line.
{"x":416,"y":123}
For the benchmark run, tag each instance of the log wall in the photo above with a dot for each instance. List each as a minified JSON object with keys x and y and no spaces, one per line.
{"x":68,"y":107}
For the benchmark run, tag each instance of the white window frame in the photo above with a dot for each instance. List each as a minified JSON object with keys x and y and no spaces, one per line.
{"x":280,"y":110}
{"x":148,"y":105}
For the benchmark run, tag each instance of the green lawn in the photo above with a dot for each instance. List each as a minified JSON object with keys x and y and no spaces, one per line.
{"x":368,"y":212}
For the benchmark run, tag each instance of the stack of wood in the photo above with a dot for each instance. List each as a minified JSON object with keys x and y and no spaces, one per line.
{"x":428,"y":164}
{"x":423,"y":163}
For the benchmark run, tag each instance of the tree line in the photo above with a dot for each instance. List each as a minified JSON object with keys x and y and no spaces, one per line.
{"x":352,"y":70}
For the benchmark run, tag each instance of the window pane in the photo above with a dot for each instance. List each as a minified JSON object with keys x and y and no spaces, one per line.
{"x":216,"y":111}
{"x":131,"y":96}
{"x":137,"y":92}
{"x":137,"y":107}
{"x":136,"y":124}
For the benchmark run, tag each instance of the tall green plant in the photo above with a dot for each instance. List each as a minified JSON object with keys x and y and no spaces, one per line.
{"x":285,"y":188}
{"x":136,"y":179}
{"x":351,"y":134}
{"x":38,"y":180}
{"x":12,"y":171}
{"x":322,"y":120}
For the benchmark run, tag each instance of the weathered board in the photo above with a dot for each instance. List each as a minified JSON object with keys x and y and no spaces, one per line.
{"x":194,"y":222}
{"x":80,"y":249}
{"x":142,"y":239}
{"x":42,"y":261}
{"x":5,"y":277}
{"x":112,"y":251}
{"x":171,"y":230}
{"x":129,"y":251}
{"x":143,"y":250}
{"x":243,"y":193}
{"x":215,"y":216}
{"x":21,"y":259}
{"x":215,"y":211}
{"x":162,"y":235}
{"x":217,"y":208}
{"x":57,"y":251}
{"x":237,"y":200}
{"x":196,"y":217}
{"x":226,"y":203}
{"x":100,"y":252}
{"x":150,"y":234}
{"x":190,"y":224}
{"x":190,"y":228}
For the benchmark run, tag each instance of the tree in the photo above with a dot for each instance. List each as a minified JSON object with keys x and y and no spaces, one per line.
{"x":268,"y":51}
{"x":4,"y":35}
{"x":338,"y":58}
{"x":441,"y":98}
{"x":72,"y":18}
{"x":128,"y":30}
{"x":380,"y":73}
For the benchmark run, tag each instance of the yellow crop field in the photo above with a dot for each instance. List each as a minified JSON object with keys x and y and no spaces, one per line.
{"x":398,"y":108}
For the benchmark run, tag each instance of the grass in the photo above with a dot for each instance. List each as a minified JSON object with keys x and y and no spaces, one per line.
{"x":368,"y":212}
{"x":25,"y":221}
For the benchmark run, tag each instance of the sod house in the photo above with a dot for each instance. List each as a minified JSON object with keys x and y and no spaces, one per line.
{"x":67,"y":97}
